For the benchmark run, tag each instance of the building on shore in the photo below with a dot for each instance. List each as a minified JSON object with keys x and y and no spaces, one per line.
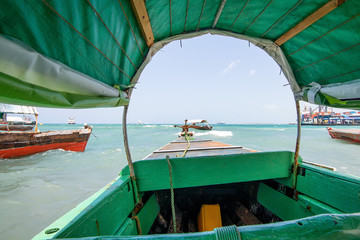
{"x":323,"y":115}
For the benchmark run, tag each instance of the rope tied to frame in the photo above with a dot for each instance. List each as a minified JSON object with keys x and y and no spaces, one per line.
{"x":171,"y":192}
{"x":187,"y":138}
{"x":138,"y":225}
{"x":186,"y":134}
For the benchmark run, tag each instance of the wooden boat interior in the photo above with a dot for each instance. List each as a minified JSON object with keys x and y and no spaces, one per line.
{"x":246,"y":196}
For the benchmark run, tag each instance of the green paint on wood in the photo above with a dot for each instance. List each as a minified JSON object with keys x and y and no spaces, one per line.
{"x":202,"y":171}
{"x":288,"y":208}
{"x":107,"y":212}
{"x":148,"y":214}
{"x":327,"y":226}
{"x":283,"y":206}
{"x":340,"y":191}
{"x":128,"y":228}
{"x":103,"y":212}
{"x":314,"y":206}
{"x":285,"y":181}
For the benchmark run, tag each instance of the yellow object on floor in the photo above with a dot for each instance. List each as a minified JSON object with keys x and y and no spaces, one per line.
{"x":209,"y":217}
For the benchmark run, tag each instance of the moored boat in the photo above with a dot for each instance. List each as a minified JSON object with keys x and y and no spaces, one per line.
{"x":71,"y":120}
{"x":16,"y":123}
{"x":200,"y":124}
{"x":352,"y":135}
{"x":18,"y":144}
{"x":185,"y":128}
{"x":17,"y":139}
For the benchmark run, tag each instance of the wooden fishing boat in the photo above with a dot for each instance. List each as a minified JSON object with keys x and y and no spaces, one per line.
{"x":185,"y":128}
{"x":15,"y":123}
{"x":200,"y":124}
{"x":205,"y":127}
{"x":71,"y":120}
{"x":48,"y":54}
{"x":18,"y":144}
{"x":16,"y":141}
{"x":17,"y":126}
{"x":352,"y":135}
{"x":247,"y":187}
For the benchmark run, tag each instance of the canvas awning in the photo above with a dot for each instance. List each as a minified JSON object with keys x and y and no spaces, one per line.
{"x":196,"y":121}
{"x":16,"y":109}
{"x":82,"y":54}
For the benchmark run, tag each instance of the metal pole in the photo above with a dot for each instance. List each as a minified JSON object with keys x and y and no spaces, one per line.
{"x":36,"y":124}
{"x":7,"y":124}
{"x":126,"y":143}
{"x":297,"y":147}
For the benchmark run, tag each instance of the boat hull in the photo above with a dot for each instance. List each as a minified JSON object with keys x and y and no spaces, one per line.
{"x":18,"y":144}
{"x":352,"y":135}
{"x":252,"y":188}
{"x":17,"y":126}
{"x":202,"y":127}
{"x":314,"y":213}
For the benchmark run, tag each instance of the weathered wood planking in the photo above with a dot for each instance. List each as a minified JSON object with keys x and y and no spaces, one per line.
{"x":23,"y":139}
{"x":198,"y":147}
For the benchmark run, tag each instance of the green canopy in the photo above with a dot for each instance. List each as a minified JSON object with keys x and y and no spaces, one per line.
{"x":90,"y":53}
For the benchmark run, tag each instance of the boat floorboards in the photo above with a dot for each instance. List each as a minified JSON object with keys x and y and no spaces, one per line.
{"x":198,"y":147}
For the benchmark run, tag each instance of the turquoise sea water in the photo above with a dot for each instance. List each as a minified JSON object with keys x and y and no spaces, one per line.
{"x":38,"y":189}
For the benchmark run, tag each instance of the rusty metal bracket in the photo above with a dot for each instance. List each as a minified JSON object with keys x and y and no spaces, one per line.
{"x":134,"y":213}
{"x":137,"y":208}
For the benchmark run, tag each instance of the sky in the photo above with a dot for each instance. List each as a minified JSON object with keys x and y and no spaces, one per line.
{"x":217,"y":78}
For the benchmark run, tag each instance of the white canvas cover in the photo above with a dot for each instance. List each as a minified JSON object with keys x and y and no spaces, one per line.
{"x":17,"y":109}
{"x":22,"y":62}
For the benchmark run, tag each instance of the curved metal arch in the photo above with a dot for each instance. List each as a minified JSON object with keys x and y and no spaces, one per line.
{"x":268,"y":46}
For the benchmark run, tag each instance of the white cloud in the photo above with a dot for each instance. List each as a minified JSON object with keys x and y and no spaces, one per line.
{"x":252,"y":72}
{"x":230,"y":66}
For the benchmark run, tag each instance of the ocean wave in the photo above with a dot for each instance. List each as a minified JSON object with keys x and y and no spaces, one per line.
{"x":215,"y":133}
{"x":266,"y":129}
{"x":156,"y":125}
{"x":111,"y":151}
